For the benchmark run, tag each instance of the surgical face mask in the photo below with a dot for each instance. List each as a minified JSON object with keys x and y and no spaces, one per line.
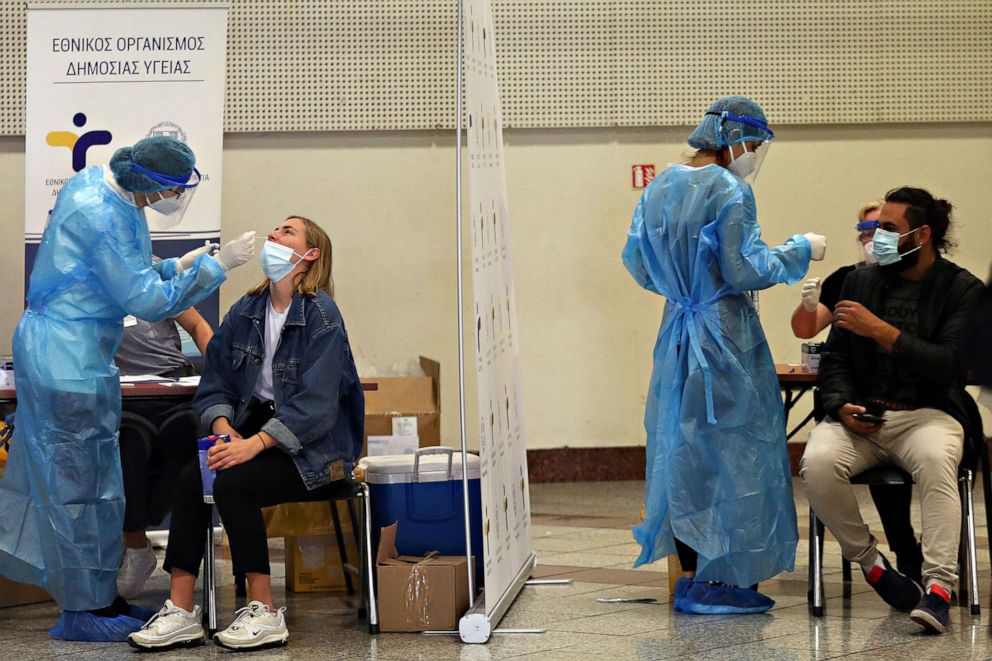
{"x":167,"y":205}
{"x":277,"y":261}
{"x":885,"y":247}
{"x":743,"y":130}
{"x":868,"y":252}
{"x":169,"y":211}
{"x":747,"y":164}
{"x":744,"y":164}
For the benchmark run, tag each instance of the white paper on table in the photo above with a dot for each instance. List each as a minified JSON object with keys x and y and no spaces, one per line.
{"x":160,"y":380}
{"x":186,"y":381}
{"x":142,"y":378}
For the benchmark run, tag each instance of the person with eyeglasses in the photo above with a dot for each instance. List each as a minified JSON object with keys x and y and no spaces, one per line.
{"x":62,"y":492}
{"x":719,"y":488}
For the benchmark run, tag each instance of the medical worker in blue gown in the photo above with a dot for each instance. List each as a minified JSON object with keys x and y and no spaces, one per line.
{"x":718,"y":481}
{"x":61,"y":498}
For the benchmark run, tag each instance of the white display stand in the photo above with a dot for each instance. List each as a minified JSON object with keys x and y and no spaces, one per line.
{"x":508,"y":558}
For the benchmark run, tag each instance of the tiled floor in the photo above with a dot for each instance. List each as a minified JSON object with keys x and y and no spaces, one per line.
{"x":581,"y":532}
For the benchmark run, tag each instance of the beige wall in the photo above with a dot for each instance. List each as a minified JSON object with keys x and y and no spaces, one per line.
{"x":387,"y":200}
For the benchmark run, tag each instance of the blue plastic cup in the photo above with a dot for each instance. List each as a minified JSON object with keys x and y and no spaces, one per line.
{"x":208,"y":475}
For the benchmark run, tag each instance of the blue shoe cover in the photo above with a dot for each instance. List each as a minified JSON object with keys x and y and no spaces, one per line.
{"x":85,"y":626}
{"x":681,"y":589}
{"x":709,"y":599}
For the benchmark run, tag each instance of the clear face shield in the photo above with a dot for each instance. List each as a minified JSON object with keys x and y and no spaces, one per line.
{"x":754,"y":138}
{"x":170,"y":204}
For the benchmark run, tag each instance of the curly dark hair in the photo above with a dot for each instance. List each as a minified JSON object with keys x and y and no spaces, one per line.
{"x":922,"y":208}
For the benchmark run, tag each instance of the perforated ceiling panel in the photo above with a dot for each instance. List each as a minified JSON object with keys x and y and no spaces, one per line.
{"x":802,"y":65}
{"x":934,"y":60}
{"x":335,"y":65}
{"x":556,"y":62}
{"x":313,"y":65}
{"x":13,"y":84}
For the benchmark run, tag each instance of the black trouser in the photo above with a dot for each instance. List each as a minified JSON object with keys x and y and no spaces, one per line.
{"x":240,"y":492}
{"x":150,"y":470}
{"x":687,"y":556}
{"x":893,"y":503}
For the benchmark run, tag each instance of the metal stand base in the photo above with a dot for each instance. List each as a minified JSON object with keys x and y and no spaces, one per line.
{"x":478,"y":627}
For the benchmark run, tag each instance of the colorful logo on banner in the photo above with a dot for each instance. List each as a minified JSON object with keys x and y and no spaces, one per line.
{"x":78,"y":144}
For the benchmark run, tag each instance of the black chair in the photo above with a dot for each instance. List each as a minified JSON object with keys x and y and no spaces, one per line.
{"x":348,"y":490}
{"x":349,"y":569}
{"x":890,"y":475}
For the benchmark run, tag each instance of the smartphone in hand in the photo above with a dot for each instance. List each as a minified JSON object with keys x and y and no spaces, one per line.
{"x":869,"y":417}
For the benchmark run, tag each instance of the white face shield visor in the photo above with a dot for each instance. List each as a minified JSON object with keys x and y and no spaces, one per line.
{"x":169,"y":210}
{"x":753,"y":135}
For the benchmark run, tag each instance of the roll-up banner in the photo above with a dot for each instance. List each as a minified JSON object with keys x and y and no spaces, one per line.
{"x":502,"y":442}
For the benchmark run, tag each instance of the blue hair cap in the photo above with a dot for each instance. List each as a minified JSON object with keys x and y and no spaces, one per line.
{"x":160,"y":154}
{"x":712,"y":132}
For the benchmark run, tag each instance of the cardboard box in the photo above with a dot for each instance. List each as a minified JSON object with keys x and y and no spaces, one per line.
{"x":295,"y":519}
{"x":313,"y":563}
{"x":417,"y":593}
{"x":20,"y":594}
{"x":405,"y":396}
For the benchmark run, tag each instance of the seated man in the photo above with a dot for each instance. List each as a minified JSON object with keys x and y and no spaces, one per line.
{"x":896,"y":349}
{"x":812,"y":315}
{"x":150,"y":473}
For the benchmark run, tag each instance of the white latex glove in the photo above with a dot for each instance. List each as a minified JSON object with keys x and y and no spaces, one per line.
{"x":817,"y":245}
{"x":811,"y":294}
{"x":237,"y":251}
{"x":187,"y":260}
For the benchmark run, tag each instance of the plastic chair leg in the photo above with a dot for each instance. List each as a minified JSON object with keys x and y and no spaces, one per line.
{"x":967,"y":500}
{"x":368,"y":565}
{"x":815,"y":593}
{"x":209,"y":584}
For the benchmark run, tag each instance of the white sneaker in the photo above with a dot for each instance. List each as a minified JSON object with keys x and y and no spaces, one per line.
{"x":255,"y":626}
{"x":136,"y":566}
{"x":170,"y":627}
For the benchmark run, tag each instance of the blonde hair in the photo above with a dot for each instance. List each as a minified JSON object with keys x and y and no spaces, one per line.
{"x":868,"y":208}
{"x":319,"y":275}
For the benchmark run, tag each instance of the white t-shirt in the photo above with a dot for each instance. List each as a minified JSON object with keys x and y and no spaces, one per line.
{"x":274,"y":321}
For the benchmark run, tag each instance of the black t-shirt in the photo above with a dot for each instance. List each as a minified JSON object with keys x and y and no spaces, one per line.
{"x":830,"y":289}
{"x":900,"y":309}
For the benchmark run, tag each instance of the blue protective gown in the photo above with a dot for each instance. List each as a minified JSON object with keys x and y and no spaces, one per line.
{"x":718,"y":473}
{"x":62,"y":497}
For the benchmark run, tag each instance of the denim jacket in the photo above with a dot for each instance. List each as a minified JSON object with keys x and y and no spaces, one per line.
{"x":319,"y":406}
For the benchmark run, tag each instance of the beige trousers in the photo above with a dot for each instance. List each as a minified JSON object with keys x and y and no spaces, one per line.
{"x":928,"y":445}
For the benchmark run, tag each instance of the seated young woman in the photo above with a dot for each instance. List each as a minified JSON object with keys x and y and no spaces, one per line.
{"x":280,"y":379}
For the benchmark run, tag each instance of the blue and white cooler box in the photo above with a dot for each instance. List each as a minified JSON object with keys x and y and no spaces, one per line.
{"x":423,"y":493}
